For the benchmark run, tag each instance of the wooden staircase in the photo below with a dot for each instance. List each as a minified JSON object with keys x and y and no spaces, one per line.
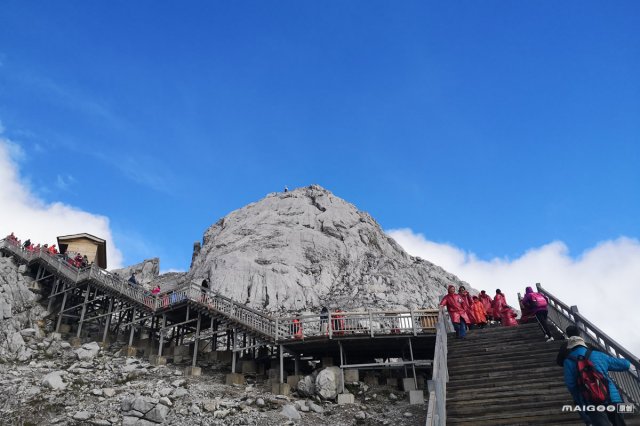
{"x":506,"y":376}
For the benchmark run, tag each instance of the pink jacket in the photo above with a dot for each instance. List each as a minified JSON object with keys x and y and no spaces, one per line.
{"x":498,"y":303}
{"x":456,"y":307}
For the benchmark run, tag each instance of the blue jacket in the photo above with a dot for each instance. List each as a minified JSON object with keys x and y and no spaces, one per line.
{"x":602,"y":363}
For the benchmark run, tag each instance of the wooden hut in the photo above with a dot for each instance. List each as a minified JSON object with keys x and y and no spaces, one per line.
{"x":86,"y":244}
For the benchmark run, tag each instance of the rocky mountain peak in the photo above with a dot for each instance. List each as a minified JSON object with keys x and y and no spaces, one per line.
{"x":307,"y":248}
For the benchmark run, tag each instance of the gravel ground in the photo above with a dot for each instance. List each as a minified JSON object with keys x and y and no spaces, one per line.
{"x":104,"y":388}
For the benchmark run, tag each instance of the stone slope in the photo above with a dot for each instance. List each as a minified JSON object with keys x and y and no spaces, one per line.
{"x":19,"y":310}
{"x":299,"y":250}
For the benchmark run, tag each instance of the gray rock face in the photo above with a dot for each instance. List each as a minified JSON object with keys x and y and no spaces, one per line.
{"x":329,"y":382}
{"x":146,"y":271}
{"x":19,"y":311}
{"x":306,"y":248}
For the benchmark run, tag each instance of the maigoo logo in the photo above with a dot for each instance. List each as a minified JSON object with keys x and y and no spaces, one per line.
{"x":619,"y":408}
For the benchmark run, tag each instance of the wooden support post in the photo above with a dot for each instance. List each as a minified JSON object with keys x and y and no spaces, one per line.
{"x":164,"y":323}
{"x":296,"y":365}
{"x":413,"y":366}
{"x":341,"y":364}
{"x":84,"y":310}
{"x":281,"y":365}
{"x":107,"y":321}
{"x":64,"y":302}
{"x":54,"y":289}
{"x":244,"y":343}
{"x":213,"y":337}
{"x":233,"y":354}
{"x":195,"y":343}
{"x":133,"y":328}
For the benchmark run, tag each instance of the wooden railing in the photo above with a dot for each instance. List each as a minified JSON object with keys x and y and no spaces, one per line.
{"x":628,"y":382}
{"x":437,"y":406}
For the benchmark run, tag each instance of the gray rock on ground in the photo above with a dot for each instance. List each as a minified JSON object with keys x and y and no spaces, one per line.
{"x":329,"y":382}
{"x":54,"y":381}
{"x":290,"y":411}
{"x":87,"y":351}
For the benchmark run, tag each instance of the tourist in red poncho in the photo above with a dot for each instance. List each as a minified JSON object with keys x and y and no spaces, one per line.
{"x":478,"y":312}
{"x":508,"y":317}
{"x":455,"y":305}
{"x":468,"y":304}
{"x":499,"y":302}
{"x":486,"y":303}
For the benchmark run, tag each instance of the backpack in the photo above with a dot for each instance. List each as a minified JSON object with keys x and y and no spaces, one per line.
{"x":538,"y":300}
{"x":593,"y":386}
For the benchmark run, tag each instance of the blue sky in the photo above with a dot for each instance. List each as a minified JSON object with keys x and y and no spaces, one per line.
{"x":493,"y":127}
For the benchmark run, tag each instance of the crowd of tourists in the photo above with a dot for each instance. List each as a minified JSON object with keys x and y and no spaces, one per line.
{"x":468,"y":312}
{"x":586,"y":369}
{"x":76,"y":260}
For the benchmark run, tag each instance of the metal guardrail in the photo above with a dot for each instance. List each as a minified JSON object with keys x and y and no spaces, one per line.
{"x":369,"y":323}
{"x":628,"y":382}
{"x":437,"y":406}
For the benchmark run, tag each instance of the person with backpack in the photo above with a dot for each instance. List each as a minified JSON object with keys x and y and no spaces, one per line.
{"x":537,"y":303}
{"x":586,"y":375}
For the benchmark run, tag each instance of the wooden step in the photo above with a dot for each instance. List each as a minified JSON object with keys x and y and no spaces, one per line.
{"x":529,"y":417}
{"x":511,"y":388}
{"x":502,"y":378}
{"x":485,"y":400}
{"x":553,"y":402}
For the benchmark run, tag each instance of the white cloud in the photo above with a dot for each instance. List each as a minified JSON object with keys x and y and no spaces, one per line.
{"x":172,"y":270}
{"x":602,"y":281}
{"x":28,"y":216}
{"x":65,"y":182}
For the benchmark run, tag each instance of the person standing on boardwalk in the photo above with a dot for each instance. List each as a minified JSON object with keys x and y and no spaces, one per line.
{"x":456,"y":307}
{"x":324,"y":321}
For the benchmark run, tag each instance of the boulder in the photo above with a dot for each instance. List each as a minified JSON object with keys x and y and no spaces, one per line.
{"x":158,"y":414}
{"x":315,"y":407}
{"x":82,"y":415}
{"x":290,"y":411}
{"x":54,"y":381}
{"x":88,"y":351}
{"x":143,"y":404}
{"x":329,"y":382}
{"x":306,"y":386}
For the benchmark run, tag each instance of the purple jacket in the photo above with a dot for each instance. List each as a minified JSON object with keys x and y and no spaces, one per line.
{"x":530,"y":298}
